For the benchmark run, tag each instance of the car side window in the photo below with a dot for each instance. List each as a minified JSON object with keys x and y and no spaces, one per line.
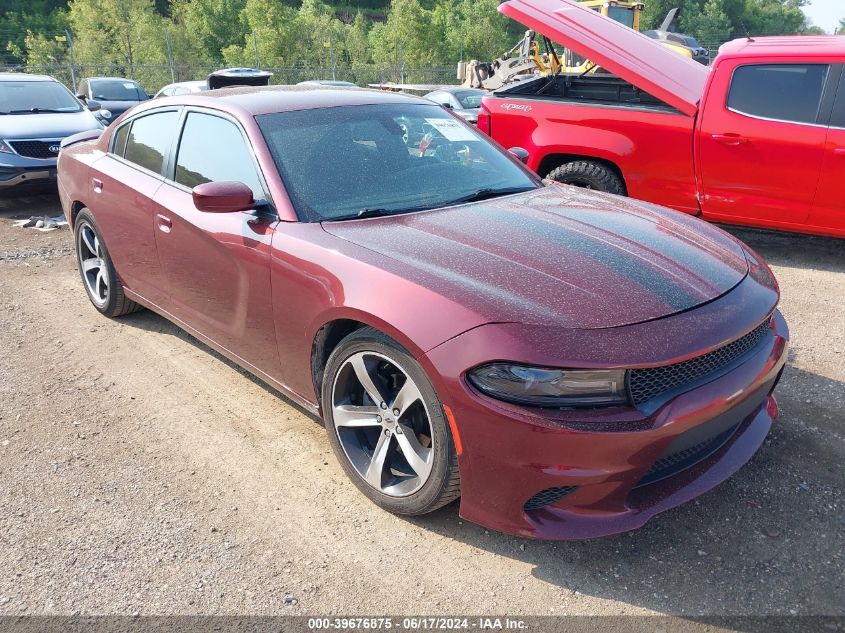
{"x":119,"y":143}
{"x":149,"y":140}
{"x":782,"y":92}
{"x":213,"y":149}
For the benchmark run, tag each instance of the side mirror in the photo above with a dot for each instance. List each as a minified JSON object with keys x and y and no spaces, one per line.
{"x":223,"y":197}
{"x":520,"y":154}
{"x":92,"y":105}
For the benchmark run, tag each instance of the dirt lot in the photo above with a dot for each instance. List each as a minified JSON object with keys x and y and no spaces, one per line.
{"x":141,"y":472}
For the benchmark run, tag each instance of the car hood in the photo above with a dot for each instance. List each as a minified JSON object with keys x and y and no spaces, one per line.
{"x":46,"y":125}
{"x":636,"y":58}
{"x":558,"y":256}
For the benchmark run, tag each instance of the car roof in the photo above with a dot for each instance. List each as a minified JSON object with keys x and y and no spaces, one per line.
{"x":258,"y":100}
{"x":110,"y":79}
{"x":197,"y":82}
{"x":25,"y":77}
{"x":791,"y":45}
{"x":455,"y":89}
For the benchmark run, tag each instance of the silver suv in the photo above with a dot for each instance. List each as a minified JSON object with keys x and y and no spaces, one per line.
{"x":36,"y":114}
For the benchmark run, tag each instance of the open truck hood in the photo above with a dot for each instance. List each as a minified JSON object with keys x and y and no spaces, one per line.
{"x":639,"y":60}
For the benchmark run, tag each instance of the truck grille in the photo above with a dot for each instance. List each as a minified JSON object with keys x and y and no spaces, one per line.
{"x":35,"y":149}
{"x":645,"y":384}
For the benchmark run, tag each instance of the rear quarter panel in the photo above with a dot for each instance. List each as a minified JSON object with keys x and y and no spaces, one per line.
{"x":652,"y":149}
{"x":73,"y":169}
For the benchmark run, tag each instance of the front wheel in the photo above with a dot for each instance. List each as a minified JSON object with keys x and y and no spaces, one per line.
{"x":589,"y":175}
{"x":387,"y":427}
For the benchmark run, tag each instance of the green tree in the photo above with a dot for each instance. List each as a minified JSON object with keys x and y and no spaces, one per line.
{"x":711,"y":24}
{"x":775,"y":17}
{"x":21,"y":19}
{"x":211,"y":24}
{"x":405,"y":39}
{"x":484,"y":31}
{"x":271,"y":36}
{"x":125,"y":33}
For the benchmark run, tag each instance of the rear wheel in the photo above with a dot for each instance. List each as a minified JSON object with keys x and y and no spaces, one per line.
{"x":589,"y":175}
{"x":387,"y":427}
{"x":101,"y":282}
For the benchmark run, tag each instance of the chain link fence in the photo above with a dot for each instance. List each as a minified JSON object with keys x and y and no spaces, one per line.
{"x":153,"y":77}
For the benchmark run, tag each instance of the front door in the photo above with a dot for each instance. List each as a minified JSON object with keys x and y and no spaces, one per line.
{"x":217,"y":265}
{"x":760,"y":153}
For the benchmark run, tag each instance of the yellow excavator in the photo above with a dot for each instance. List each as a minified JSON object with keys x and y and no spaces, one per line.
{"x":529,"y":57}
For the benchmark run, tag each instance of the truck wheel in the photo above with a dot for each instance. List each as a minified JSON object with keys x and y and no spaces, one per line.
{"x":590,"y":175}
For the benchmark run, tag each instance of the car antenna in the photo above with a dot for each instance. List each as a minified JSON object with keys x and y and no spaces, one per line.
{"x":745,"y":28}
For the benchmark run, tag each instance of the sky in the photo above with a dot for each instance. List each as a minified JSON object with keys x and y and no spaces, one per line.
{"x":826,"y":13}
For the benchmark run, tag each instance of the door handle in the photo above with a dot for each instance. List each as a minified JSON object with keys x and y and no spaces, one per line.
{"x":98,"y":185}
{"x":729,"y":139}
{"x":839,"y":151}
{"x":164,"y":223}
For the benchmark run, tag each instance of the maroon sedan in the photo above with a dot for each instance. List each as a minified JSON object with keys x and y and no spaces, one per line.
{"x":569,"y":363}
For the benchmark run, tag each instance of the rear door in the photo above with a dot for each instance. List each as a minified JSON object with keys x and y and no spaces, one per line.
{"x":828,"y":210}
{"x":123,"y":184}
{"x":217,"y":265}
{"x":761,"y":140}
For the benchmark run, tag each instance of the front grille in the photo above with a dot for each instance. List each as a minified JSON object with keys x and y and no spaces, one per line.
{"x":673,"y":463}
{"x":645,"y":384}
{"x":35,"y":149}
{"x":548,"y":496}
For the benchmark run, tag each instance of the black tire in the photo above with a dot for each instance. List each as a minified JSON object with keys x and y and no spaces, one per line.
{"x":112,"y":301}
{"x":442,"y":485}
{"x":590,"y":175}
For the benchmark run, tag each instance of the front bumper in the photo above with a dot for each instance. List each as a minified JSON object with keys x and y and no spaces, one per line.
{"x":19,"y":170}
{"x":608,"y":471}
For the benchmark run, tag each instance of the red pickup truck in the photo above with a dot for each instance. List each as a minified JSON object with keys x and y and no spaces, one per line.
{"x":757,"y":139}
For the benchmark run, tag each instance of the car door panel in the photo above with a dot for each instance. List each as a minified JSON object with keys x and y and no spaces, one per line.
{"x":217,"y":265}
{"x":123,"y":210}
{"x":123,"y":184}
{"x":828,"y":212}
{"x":753,"y":167}
{"x":218,"y":274}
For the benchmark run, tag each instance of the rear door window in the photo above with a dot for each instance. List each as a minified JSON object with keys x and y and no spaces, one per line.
{"x":150,"y":138}
{"x":781,"y":92}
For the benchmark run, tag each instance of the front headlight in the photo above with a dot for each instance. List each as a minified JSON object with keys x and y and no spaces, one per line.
{"x":5,"y":148}
{"x":548,"y":387}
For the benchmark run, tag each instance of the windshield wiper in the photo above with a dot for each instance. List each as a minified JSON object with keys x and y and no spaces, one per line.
{"x":489,"y":192}
{"x":39,"y":111}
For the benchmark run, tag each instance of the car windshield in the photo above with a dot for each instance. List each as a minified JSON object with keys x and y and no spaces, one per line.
{"x":116,"y":90}
{"x":346,"y":162}
{"x":24,"y":97}
{"x":469,"y":100}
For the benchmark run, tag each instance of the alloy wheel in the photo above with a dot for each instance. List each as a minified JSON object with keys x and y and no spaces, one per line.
{"x":383,"y":424}
{"x":93,"y":265}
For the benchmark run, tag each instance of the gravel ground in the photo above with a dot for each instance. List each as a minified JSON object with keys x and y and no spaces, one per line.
{"x":140,"y":472}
